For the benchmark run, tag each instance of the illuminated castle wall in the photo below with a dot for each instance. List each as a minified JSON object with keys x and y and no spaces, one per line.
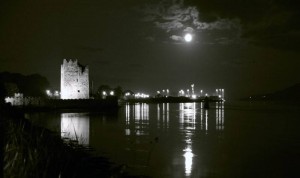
{"x":74,"y":80}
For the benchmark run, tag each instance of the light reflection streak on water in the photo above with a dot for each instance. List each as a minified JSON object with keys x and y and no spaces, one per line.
{"x":163,"y":115}
{"x":206,"y":121}
{"x":201,"y":115}
{"x":167,"y":112}
{"x":164,"y":112}
{"x":158,"y":116}
{"x":127,"y":130}
{"x":139,"y":118}
{"x":188,"y":155}
{"x":187,"y":115}
{"x":190,"y":116}
{"x":76,"y":126}
{"x":220,"y":116}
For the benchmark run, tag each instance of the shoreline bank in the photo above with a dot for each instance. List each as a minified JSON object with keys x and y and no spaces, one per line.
{"x":32,"y":151}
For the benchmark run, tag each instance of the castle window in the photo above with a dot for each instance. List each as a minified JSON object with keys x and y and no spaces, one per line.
{"x":78,"y":91}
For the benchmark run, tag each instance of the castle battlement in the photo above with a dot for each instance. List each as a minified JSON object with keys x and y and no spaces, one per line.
{"x":70,"y":63}
{"x":74,"y":80}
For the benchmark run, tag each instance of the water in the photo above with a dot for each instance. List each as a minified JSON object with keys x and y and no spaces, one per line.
{"x":184,"y":140}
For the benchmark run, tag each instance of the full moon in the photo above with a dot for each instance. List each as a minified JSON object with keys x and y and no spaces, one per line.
{"x":188,"y":37}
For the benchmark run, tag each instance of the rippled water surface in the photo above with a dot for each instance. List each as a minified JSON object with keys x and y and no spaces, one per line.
{"x":185,"y":140}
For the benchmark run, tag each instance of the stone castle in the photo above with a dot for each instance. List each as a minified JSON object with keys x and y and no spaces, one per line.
{"x":74,"y":80}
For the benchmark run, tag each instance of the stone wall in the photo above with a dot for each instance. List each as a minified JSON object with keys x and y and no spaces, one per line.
{"x":20,"y":100}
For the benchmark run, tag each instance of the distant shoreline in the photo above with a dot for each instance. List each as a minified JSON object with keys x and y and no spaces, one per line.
{"x":171,"y":99}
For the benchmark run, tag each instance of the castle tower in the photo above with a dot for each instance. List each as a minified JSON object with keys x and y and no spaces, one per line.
{"x":74,"y":82}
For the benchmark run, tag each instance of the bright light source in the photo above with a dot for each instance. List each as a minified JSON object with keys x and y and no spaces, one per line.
{"x":188,"y":37}
{"x":104,"y":93}
{"x":111,"y":93}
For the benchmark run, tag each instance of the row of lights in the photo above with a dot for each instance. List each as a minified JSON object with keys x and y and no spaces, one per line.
{"x":182,"y":93}
{"x":164,"y":91}
{"x":137,"y":95}
{"x":50,"y":94}
{"x":220,"y":93}
{"x":141,"y":95}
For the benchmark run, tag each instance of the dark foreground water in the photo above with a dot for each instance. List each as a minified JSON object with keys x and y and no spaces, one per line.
{"x":184,"y":140}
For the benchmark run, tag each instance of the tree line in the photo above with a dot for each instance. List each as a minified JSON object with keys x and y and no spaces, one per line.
{"x":30,"y":85}
{"x":35,"y":85}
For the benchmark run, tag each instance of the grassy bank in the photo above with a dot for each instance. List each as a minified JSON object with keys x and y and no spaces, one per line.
{"x":31,"y":151}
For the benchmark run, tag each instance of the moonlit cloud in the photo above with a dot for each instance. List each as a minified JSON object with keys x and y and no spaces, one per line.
{"x":188,"y":30}
{"x":169,"y":26}
{"x":174,"y":17}
{"x":177,"y":38}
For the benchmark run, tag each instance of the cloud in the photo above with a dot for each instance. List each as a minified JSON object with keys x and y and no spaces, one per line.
{"x":169,"y":26}
{"x":175,"y":17}
{"x":188,"y":30}
{"x":221,"y":24}
{"x":271,"y":23}
{"x":176,"y":38}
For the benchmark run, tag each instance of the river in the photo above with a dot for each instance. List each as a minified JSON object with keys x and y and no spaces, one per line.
{"x":184,"y":140}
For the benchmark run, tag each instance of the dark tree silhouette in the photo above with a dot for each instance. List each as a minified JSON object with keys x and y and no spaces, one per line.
{"x":31,"y":85}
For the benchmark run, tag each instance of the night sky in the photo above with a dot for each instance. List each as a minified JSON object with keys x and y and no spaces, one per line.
{"x":246,"y":47}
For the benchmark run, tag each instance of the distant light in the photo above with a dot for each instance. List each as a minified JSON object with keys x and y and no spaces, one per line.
{"x":112,"y":93}
{"x":188,"y":37}
{"x":104,"y":93}
{"x":158,"y":92}
{"x":194,"y":96}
